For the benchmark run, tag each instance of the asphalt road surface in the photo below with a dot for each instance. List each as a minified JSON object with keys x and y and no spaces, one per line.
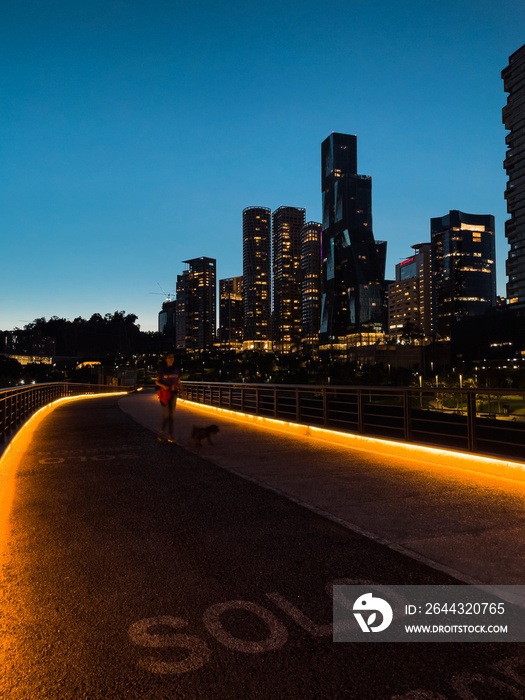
{"x":140,"y":570}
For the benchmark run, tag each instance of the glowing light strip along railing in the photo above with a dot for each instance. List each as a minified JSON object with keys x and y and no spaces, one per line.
{"x":416,"y":415}
{"x":17,"y":404}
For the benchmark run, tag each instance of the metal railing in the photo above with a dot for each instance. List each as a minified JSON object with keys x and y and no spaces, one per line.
{"x":485,"y":421}
{"x":18,"y":404}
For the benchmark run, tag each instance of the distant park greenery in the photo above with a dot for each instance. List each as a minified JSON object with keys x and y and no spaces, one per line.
{"x":97,"y":337}
{"x":114,"y":342}
{"x":258,"y":367}
{"x":113,"y":339}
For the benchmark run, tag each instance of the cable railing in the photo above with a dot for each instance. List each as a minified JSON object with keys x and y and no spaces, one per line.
{"x":483,"y":421}
{"x":19,"y":403}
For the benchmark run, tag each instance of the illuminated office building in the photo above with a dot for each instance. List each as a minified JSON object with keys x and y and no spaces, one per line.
{"x":196,"y":305}
{"x":311,"y":284}
{"x":464,"y":270}
{"x":256,"y":270}
{"x":231,"y":313}
{"x":410,"y":296}
{"x":514,"y":120}
{"x":353,"y":261}
{"x":287,"y":224}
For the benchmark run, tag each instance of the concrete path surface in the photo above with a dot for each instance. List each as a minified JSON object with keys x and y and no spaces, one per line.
{"x":134,"y":570}
{"x":468,"y":524}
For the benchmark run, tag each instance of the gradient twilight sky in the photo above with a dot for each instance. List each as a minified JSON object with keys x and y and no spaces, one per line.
{"x":134,"y":132}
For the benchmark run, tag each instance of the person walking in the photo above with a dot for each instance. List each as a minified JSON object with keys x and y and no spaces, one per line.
{"x":169,"y":383}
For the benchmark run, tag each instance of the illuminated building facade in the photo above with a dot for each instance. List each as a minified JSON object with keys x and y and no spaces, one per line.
{"x":311,"y":284}
{"x":464,"y":270}
{"x":256,"y":270}
{"x":287,"y":224}
{"x":353,"y":263}
{"x":27,"y":347}
{"x":231,"y":313}
{"x":514,"y":120}
{"x":196,"y":305}
{"x":410,"y":296}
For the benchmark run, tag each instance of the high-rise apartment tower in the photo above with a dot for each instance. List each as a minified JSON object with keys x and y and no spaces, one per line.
{"x":514,"y":119}
{"x":311,"y":284}
{"x":256,"y":270}
{"x":196,"y":305}
{"x":231,"y":312}
{"x":287,"y":224}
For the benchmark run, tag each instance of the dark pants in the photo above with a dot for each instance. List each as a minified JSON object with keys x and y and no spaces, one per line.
{"x":168,"y":410}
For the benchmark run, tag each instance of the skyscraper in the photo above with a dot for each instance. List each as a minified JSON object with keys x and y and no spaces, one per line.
{"x":231,"y":312}
{"x":464,"y":270}
{"x":256,"y":270}
{"x":287,"y":224}
{"x":410,"y":296}
{"x":353,"y":262}
{"x":196,"y":305}
{"x":514,"y":119}
{"x":311,"y":284}
{"x":167,"y":318}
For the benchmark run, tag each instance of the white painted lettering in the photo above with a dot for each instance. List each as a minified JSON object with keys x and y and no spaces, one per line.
{"x":212,"y":621}
{"x":508,"y":668}
{"x":462,"y":684}
{"x":142,"y":636}
{"x":419,"y":695}
{"x":299,"y":617}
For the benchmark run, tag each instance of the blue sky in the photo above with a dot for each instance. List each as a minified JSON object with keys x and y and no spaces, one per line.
{"x":134,"y":132}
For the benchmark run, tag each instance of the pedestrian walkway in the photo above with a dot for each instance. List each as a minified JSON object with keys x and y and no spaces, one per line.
{"x":462,"y":521}
{"x":143,"y":571}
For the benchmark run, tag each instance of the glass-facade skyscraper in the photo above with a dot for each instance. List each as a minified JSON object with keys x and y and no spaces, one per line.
{"x":353,"y":262}
{"x":514,"y":119}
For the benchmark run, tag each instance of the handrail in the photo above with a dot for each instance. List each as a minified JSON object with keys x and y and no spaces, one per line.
{"x":475,"y":420}
{"x":17,"y":404}
{"x":353,"y":387}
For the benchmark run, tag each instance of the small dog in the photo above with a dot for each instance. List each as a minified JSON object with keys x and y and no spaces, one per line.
{"x":199,"y":434}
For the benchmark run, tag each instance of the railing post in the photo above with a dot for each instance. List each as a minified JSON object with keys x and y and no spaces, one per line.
{"x":325,"y":408}
{"x":257,"y":400}
{"x":2,"y":420}
{"x":275,"y":402}
{"x":297,"y":405}
{"x":360,"y":412}
{"x":407,"y":416}
{"x":471,"y":422}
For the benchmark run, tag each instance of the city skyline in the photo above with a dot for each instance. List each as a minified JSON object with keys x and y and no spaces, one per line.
{"x":130,"y":137}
